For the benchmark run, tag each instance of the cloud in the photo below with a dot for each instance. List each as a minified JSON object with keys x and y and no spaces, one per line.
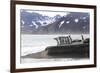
{"x":49,"y":13}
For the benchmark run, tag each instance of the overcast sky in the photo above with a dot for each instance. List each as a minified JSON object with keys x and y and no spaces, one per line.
{"x":49,"y":13}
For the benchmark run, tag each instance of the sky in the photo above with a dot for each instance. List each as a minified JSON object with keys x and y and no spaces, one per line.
{"x":49,"y":13}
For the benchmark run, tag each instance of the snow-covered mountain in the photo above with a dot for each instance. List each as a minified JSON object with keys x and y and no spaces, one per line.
{"x":73,"y":23}
{"x":35,"y":23}
{"x":31,"y":22}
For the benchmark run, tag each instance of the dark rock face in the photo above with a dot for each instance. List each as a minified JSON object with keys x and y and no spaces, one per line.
{"x":35,"y":23}
{"x":70,"y":48}
{"x":72,"y":51}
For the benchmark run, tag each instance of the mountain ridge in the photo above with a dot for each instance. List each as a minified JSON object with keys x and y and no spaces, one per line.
{"x":35,"y":23}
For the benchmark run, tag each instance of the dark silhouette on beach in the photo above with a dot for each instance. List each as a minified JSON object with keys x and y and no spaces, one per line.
{"x":66,"y":48}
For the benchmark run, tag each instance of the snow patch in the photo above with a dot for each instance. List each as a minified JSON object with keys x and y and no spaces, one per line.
{"x":76,"y":20}
{"x":61,"y":24}
{"x":84,"y":18}
{"x":23,"y":22}
{"x":31,"y":25}
{"x":49,"y":21}
{"x":36,"y":26}
{"x":68,"y":22}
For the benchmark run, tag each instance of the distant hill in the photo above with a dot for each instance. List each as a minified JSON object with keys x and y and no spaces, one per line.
{"x":73,"y":23}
